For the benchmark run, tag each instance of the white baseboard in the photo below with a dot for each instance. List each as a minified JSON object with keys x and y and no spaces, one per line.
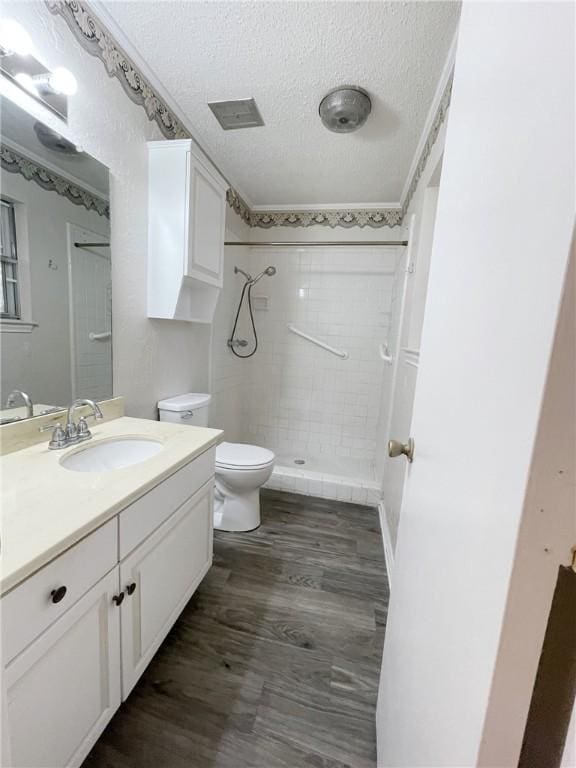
{"x":387,"y":542}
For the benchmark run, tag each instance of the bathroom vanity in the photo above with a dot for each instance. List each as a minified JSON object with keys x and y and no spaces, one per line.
{"x":96,"y":568}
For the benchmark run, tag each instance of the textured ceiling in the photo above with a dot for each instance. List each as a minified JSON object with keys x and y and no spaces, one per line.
{"x":287,"y":55}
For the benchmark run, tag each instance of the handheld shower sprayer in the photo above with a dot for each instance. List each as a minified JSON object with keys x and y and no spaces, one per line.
{"x":250,"y":281}
{"x":270,"y":271}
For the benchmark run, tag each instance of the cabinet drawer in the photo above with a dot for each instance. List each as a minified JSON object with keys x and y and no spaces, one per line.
{"x":29,"y":608}
{"x":140,"y":519}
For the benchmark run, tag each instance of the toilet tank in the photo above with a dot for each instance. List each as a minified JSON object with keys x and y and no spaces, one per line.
{"x":191,"y":408}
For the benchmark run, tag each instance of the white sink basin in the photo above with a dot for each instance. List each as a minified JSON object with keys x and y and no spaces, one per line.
{"x":111,"y":454}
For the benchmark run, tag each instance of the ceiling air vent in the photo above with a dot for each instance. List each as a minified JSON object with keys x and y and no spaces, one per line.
{"x":231,"y":115}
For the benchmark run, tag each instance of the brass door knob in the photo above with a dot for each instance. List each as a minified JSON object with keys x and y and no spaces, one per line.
{"x":396,"y":448}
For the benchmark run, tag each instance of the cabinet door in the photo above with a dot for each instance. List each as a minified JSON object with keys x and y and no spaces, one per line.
{"x":59,"y":694}
{"x":207,"y":204}
{"x":159,"y":578}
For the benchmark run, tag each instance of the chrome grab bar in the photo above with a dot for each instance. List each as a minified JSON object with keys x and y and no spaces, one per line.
{"x":338,"y":352}
{"x":385,"y":354}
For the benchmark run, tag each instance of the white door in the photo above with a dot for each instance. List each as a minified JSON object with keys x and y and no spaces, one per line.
{"x":207,"y":211}
{"x":415,"y":268}
{"x":66,"y":684}
{"x":159,"y":578}
{"x":498,"y":265}
{"x":90,"y":296}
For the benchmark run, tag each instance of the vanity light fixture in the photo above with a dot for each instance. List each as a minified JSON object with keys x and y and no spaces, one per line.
{"x":61,"y":81}
{"x":27,"y":82}
{"x":50,"y":87}
{"x":14,"y":39}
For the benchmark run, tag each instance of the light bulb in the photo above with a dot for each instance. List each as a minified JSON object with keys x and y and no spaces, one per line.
{"x":26,"y":82}
{"x":63,"y":82}
{"x":14,"y":38}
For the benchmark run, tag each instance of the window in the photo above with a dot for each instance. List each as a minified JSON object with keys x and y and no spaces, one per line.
{"x":9,"y":301}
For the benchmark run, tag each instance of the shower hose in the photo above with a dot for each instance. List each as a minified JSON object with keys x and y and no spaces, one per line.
{"x":248,"y":285}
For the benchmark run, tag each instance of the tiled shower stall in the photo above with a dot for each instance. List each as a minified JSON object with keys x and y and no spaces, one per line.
{"x":319,"y":413}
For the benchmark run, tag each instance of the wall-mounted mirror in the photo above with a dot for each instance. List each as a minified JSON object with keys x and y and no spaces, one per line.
{"x":56,"y":300}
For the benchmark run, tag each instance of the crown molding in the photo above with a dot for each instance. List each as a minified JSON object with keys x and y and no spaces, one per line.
{"x":15,"y":162}
{"x":323,"y":207}
{"x":97,"y":40}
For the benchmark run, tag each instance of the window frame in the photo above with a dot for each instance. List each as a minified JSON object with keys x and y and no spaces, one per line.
{"x":11,"y":259}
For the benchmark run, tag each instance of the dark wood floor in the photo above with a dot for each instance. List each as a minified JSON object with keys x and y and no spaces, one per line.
{"x":274,"y":662}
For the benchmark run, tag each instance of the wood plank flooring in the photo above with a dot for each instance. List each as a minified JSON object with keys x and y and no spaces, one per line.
{"x":274,"y":662}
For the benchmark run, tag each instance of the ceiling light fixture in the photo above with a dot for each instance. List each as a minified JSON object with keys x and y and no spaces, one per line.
{"x":345,"y":109}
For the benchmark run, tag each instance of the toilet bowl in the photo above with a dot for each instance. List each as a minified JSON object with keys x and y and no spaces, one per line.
{"x":241,"y":470}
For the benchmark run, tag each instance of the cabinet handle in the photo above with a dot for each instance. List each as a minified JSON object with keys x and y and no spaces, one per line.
{"x":118,"y":598}
{"x":58,"y":594}
{"x":131,"y":588}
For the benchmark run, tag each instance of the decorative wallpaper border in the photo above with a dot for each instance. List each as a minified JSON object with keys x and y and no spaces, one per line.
{"x":439,"y":118}
{"x":239,"y":206}
{"x":384,"y":217}
{"x":14,"y":162}
{"x":96,"y":39}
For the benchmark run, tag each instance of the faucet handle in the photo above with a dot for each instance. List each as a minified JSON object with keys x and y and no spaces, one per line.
{"x":58,"y":439}
{"x":83,"y":431}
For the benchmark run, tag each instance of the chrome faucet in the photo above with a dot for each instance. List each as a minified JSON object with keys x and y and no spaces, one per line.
{"x":72,"y":433}
{"x":13,"y":397}
{"x":77,"y":432}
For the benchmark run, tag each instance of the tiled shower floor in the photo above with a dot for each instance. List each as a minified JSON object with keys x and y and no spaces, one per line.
{"x":329,"y":477}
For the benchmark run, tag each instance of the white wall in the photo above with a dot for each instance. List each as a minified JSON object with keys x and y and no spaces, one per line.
{"x":494,"y":292}
{"x":39,"y":362}
{"x":152,"y":358}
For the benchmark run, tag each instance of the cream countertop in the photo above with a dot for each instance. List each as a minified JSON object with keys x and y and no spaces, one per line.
{"x":46,"y":508}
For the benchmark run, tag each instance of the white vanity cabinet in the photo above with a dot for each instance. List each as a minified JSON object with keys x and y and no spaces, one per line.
{"x":159,"y":578}
{"x":78,"y":633}
{"x":186,"y":225}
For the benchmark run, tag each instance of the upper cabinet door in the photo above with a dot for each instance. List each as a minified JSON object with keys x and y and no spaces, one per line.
{"x":207,"y":222}
{"x":186,"y":224}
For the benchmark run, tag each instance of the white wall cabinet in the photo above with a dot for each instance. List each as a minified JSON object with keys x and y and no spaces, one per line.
{"x":155,"y":593}
{"x":68,"y":662}
{"x":59,"y":693}
{"x":186,"y":225}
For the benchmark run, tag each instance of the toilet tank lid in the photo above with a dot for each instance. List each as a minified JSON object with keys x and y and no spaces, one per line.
{"x":187,"y":402}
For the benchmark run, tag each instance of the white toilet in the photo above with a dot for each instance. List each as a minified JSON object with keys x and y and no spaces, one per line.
{"x":241,"y":469}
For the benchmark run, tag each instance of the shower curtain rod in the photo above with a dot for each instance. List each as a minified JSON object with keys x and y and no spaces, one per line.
{"x":322,"y":243}
{"x":92,"y":245}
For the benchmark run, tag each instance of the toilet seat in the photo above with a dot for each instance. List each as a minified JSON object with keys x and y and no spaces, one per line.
{"x":241,"y":456}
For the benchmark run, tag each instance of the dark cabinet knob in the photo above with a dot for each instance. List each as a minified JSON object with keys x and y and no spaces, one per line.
{"x":58,"y":594}
{"x":131,"y":588}
{"x":118,"y":598}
